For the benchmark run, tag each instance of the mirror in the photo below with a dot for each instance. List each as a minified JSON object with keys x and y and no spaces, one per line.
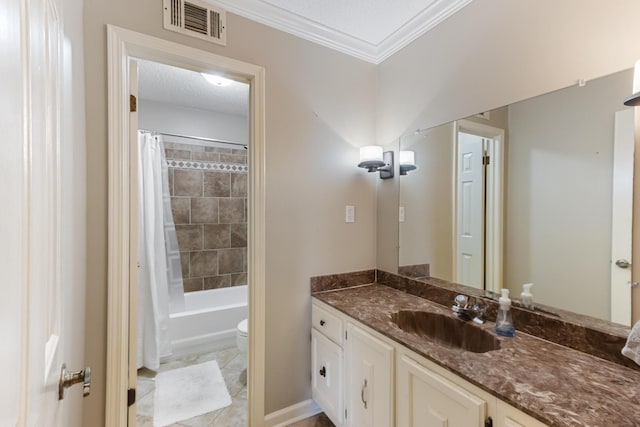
{"x":526,"y":194}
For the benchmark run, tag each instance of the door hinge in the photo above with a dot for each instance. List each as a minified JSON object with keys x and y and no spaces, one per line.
{"x":131,"y":396}
{"x":133,"y":103}
{"x":488,"y":422}
{"x":345,"y":413}
{"x":486,"y":160}
{"x":345,"y":335}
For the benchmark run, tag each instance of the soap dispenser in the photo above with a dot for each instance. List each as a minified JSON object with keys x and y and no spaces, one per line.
{"x":504,"y":321}
{"x":526,"y":298}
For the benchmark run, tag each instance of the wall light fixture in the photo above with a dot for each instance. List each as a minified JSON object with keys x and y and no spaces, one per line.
{"x":373,"y":159}
{"x":633,"y":100}
{"x":407,"y":162}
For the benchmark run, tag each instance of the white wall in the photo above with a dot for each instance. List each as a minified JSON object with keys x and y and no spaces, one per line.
{"x":320,"y":107}
{"x":559,"y":189}
{"x":496,"y":52}
{"x":162,"y":117}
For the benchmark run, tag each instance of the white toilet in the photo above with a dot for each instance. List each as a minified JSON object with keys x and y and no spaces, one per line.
{"x":241,"y":336}
{"x":241,"y":341}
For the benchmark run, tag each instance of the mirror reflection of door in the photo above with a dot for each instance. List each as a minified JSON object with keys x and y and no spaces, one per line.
{"x":621,"y":217}
{"x":470,"y":213}
{"x":478,"y":204}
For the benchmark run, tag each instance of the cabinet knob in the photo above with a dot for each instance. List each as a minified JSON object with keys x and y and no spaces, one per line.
{"x":322,"y":322}
{"x":323,"y":372}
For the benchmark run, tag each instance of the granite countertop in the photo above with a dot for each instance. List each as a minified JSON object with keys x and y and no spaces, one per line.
{"x":555,"y":384}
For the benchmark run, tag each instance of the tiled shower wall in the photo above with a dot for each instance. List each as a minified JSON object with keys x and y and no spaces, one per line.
{"x":208,"y":187}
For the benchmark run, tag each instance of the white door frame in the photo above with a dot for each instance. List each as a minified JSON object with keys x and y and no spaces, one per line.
{"x":122,"y":45}
{"x":494,"y":200}
{"x":622,"y":216}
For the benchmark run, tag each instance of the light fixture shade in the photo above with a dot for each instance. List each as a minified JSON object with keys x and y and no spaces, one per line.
{"x":371,"y":157}
{"x":407,"y":157}
{"x":407,"y":161}
{"x":633,"y":100}
{"x":217,"y":80}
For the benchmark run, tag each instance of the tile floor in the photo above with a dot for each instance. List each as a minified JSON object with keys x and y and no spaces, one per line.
{"x":231,"y":364}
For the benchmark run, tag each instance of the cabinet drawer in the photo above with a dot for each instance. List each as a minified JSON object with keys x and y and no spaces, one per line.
{"x":329,"y":324}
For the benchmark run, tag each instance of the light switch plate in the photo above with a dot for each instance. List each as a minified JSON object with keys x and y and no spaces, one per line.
{"x":401,"y":213}
{"x":350,"y":214}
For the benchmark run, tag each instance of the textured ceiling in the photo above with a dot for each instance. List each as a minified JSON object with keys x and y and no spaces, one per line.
{"x":368,"y":29}
{"x":186,"y":88}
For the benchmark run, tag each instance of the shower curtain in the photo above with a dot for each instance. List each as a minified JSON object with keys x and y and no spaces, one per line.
{"x":160,"y":287}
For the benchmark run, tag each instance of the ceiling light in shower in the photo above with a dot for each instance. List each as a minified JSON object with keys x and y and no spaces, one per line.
{"x":217,"y":80}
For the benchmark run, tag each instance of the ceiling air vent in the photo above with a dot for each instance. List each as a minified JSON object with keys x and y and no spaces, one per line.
{"x":197,"y":19}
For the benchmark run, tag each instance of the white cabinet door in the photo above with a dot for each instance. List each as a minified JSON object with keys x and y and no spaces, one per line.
{"x":327,"y":376}
{"x":509,"y":416}
{"x":427,"y":399}
{"x":369,"y":380}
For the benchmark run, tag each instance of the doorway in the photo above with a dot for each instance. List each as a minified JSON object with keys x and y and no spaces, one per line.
{"x":125,"y":45}
{"x":192,"y":146}
{"x":478,"y":205}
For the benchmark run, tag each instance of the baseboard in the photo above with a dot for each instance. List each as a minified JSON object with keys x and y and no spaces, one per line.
{"x":291,"y":414}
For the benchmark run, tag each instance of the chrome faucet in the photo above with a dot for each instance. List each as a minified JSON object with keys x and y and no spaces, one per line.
{"x":467,"y":308}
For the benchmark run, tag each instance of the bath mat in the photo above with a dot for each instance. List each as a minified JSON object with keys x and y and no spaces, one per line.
{"x":185,"y":393}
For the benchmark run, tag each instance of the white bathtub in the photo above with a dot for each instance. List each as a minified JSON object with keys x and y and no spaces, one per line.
{"x":209,"y":320}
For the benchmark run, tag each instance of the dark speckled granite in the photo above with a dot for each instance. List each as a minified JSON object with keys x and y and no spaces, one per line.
{"x":340,"y":281}
{"x":555,"y":384}
{"x":415,"y":271}
{"x":583,"y":333}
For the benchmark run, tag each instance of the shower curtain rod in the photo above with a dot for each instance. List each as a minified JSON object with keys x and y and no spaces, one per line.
{"x":198,"y":138}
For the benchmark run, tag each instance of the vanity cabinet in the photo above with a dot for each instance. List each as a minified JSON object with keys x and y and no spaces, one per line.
{"x":369,"y":379}
{"x":361,"y":395}
{"x":362,"y":379}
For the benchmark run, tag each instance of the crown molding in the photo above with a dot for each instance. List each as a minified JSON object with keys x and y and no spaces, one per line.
{"x":307,"y":29}
{"x":417,"y":26}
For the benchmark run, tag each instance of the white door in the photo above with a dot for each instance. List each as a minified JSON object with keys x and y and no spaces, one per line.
{"x":42,"y":222}
{"x":621,"y":218}
{"x":470,"y":211}
{"x":369,"y":370}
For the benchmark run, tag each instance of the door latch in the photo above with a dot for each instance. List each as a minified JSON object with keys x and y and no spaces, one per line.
{"x":67,"y":379}
{"x":623,"y":263}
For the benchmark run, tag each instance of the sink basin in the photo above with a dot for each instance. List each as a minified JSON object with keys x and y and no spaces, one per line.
{"x":447,"y":330}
